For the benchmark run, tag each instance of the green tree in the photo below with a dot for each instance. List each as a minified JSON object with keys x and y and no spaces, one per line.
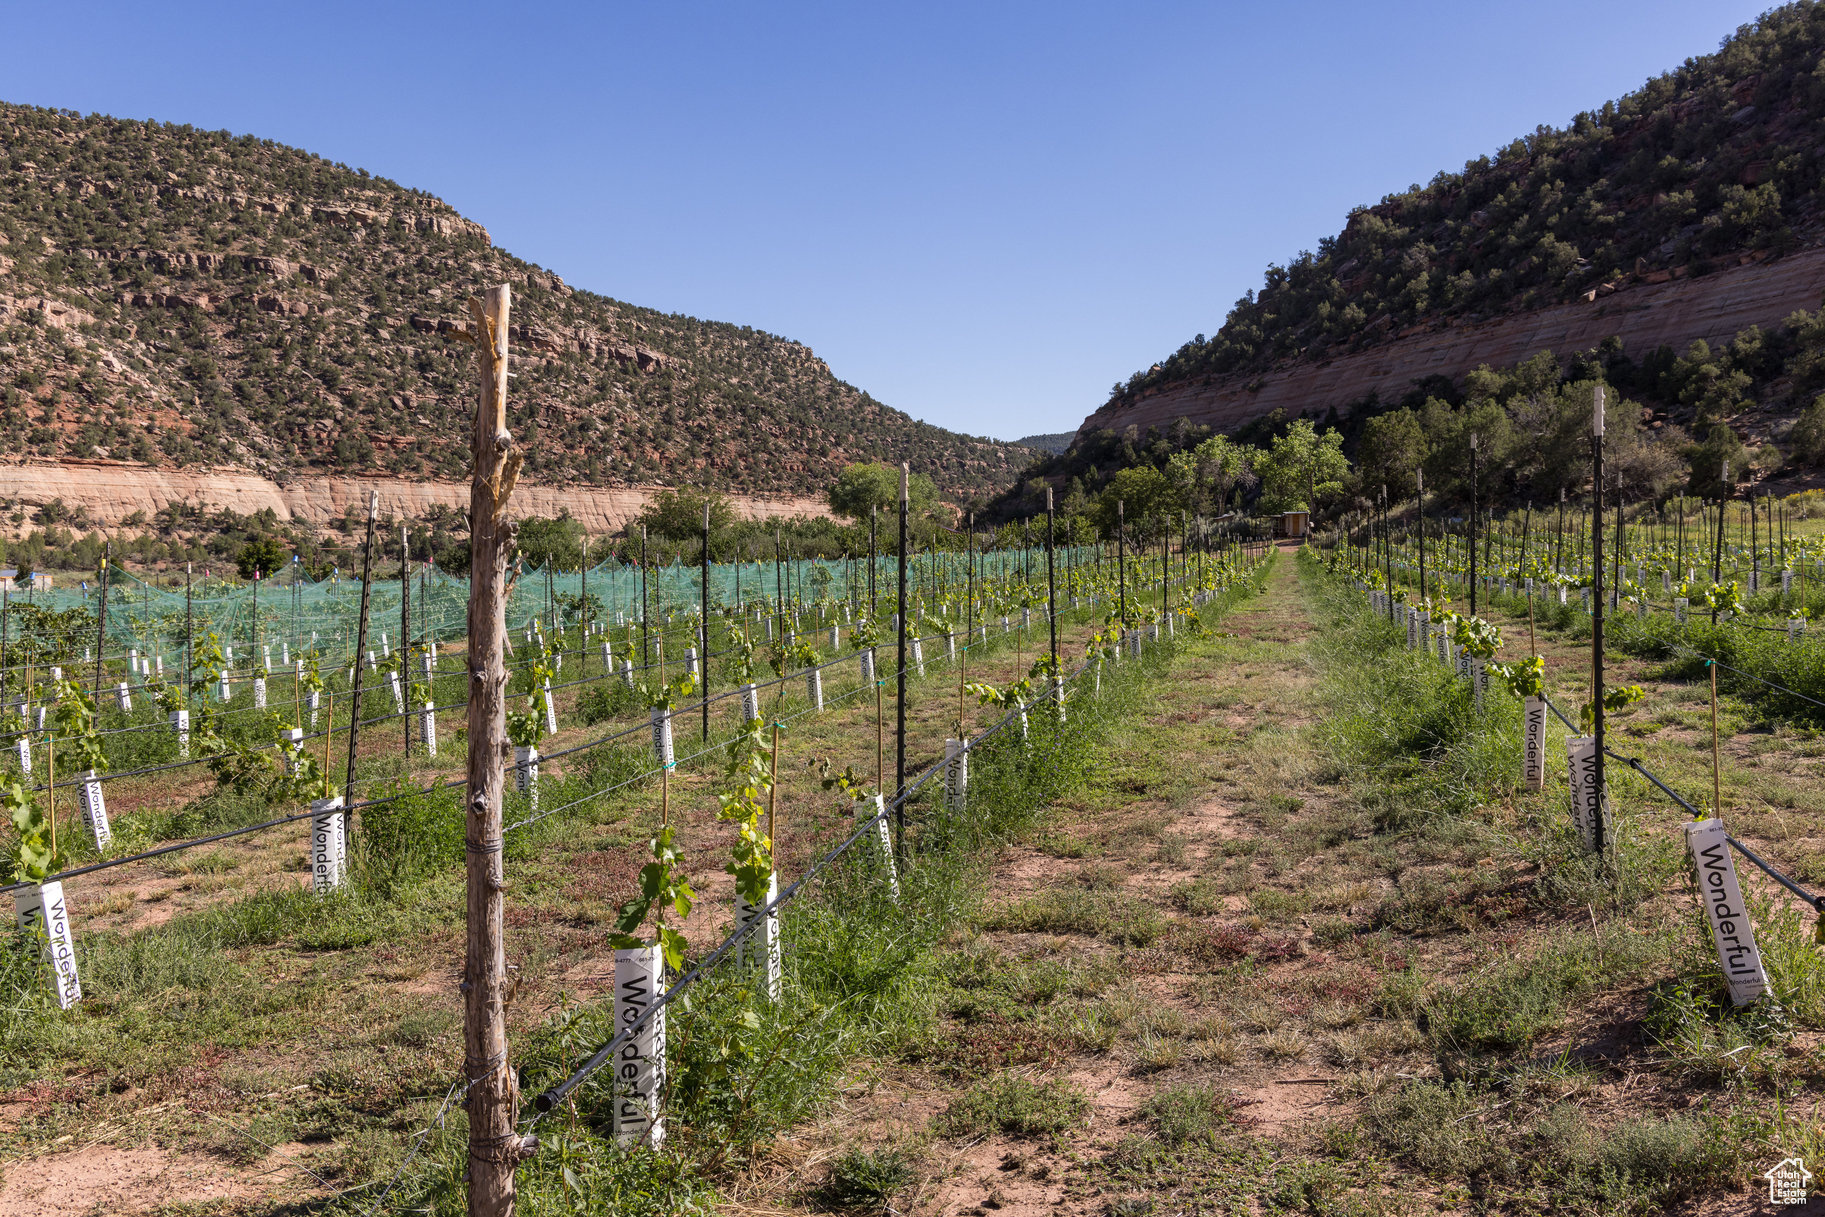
{"x":547,"y":542}
{"x":1808,"y":435}
{"x":1721,"y":448}
{"x":1211,"y":470}
{"x":1148,"y":499}
{"x":1392,"y":450}
{"x":1302,"y":468}
{"x":860,"y":487}
{"x":261,"y":556}
{"x":677,"y":515}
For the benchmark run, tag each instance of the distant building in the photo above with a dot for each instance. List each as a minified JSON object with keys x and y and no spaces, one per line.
{"x":1290,"y":524}
{"x":39,"y":580}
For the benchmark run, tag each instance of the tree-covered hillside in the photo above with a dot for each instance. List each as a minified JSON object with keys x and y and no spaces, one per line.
{"x":177,"y":296}
{"x":1718,"y":159}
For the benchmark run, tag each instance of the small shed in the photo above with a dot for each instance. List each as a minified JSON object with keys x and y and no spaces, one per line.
{"x":39,"y":581}
{"x":1291,"y":524}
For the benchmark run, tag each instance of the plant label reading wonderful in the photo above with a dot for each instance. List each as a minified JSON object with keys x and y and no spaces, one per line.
{"x":875,"y":809}
{"x":1731,"y":930}
{"x":95,"y":810}
{"x":1587,"y":799}
{"x":1533,"y":743}
{"x":760,"y":950}
{"x":957,"y":773}
{"x":329,"y":844}
{"x":640,"y":1061}
{"x":43,"y":910}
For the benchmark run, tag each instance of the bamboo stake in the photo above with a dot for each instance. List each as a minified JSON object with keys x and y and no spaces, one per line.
{"x":773,"y":793}
{"x":1717,"y":799}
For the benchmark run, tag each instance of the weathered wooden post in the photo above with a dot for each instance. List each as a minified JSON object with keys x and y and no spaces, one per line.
{"x":493,"y":1098}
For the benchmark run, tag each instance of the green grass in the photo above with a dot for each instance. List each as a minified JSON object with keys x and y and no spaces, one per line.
{"x":1020,"y":1106}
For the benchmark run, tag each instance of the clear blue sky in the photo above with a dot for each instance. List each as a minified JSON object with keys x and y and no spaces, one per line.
{"x":982,"y":213}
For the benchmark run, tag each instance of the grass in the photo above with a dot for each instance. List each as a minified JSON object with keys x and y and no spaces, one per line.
{"x":1017,"y":1105}
{"x":1371,"y":898}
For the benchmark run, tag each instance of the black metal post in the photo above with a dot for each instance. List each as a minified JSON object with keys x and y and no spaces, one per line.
{"x":361,"y":643}
{"x":703,"y":610}
{"x":1121,"y":557}
{"x":1052,"y":588}
{"x":1597,"y":607}
{"x":900,"y":695}
{"x":1473,"y":490}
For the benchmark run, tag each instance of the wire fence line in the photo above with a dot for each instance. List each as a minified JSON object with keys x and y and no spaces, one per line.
{"x":547,"y":1100}
{"x":1815,"y":901}
{"x":352,"y":807}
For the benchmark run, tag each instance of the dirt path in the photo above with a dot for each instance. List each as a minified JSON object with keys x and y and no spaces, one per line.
{"x":1164,"y":952}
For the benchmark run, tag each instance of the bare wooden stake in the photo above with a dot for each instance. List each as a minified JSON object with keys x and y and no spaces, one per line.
{"x":493,"y":1098}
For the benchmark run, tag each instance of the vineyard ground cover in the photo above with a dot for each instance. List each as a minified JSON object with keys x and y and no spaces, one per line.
{"x":1303,"y":945}
{"x":231,"y":1010}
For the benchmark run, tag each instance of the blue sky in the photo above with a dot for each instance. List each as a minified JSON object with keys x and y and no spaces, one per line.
{"x":982,"y":213}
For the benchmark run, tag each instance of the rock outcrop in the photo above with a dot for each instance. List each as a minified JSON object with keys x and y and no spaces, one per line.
{"x":111,"y":491}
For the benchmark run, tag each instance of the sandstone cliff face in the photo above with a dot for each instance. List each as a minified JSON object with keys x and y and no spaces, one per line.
{"x":1645,"y":315}
{"x":110,"y":492}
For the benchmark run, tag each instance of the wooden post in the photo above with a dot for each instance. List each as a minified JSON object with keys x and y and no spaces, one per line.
{"x":493,"y":1099}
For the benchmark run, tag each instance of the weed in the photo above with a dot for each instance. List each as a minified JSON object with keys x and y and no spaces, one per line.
{"x":1185,"y":1113}
{"x":1014,"y":1104}
{"x":867,"y":1180}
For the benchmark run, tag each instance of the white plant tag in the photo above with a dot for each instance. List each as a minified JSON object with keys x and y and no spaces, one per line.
{"x":1732,"y":932}
{"x":1533,"y":742}
{"x":640,"y":1062}
{"x":760,"y":950}
{"x":329,"y":844}
{"x":526,"y":773}
{"x":662,"y":737}
{"x":957,"y":773}
{"x":43,"y":909}
{"x":881,"y":838}
{"x":1587,"y":800}
{"x":95,"y":810}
